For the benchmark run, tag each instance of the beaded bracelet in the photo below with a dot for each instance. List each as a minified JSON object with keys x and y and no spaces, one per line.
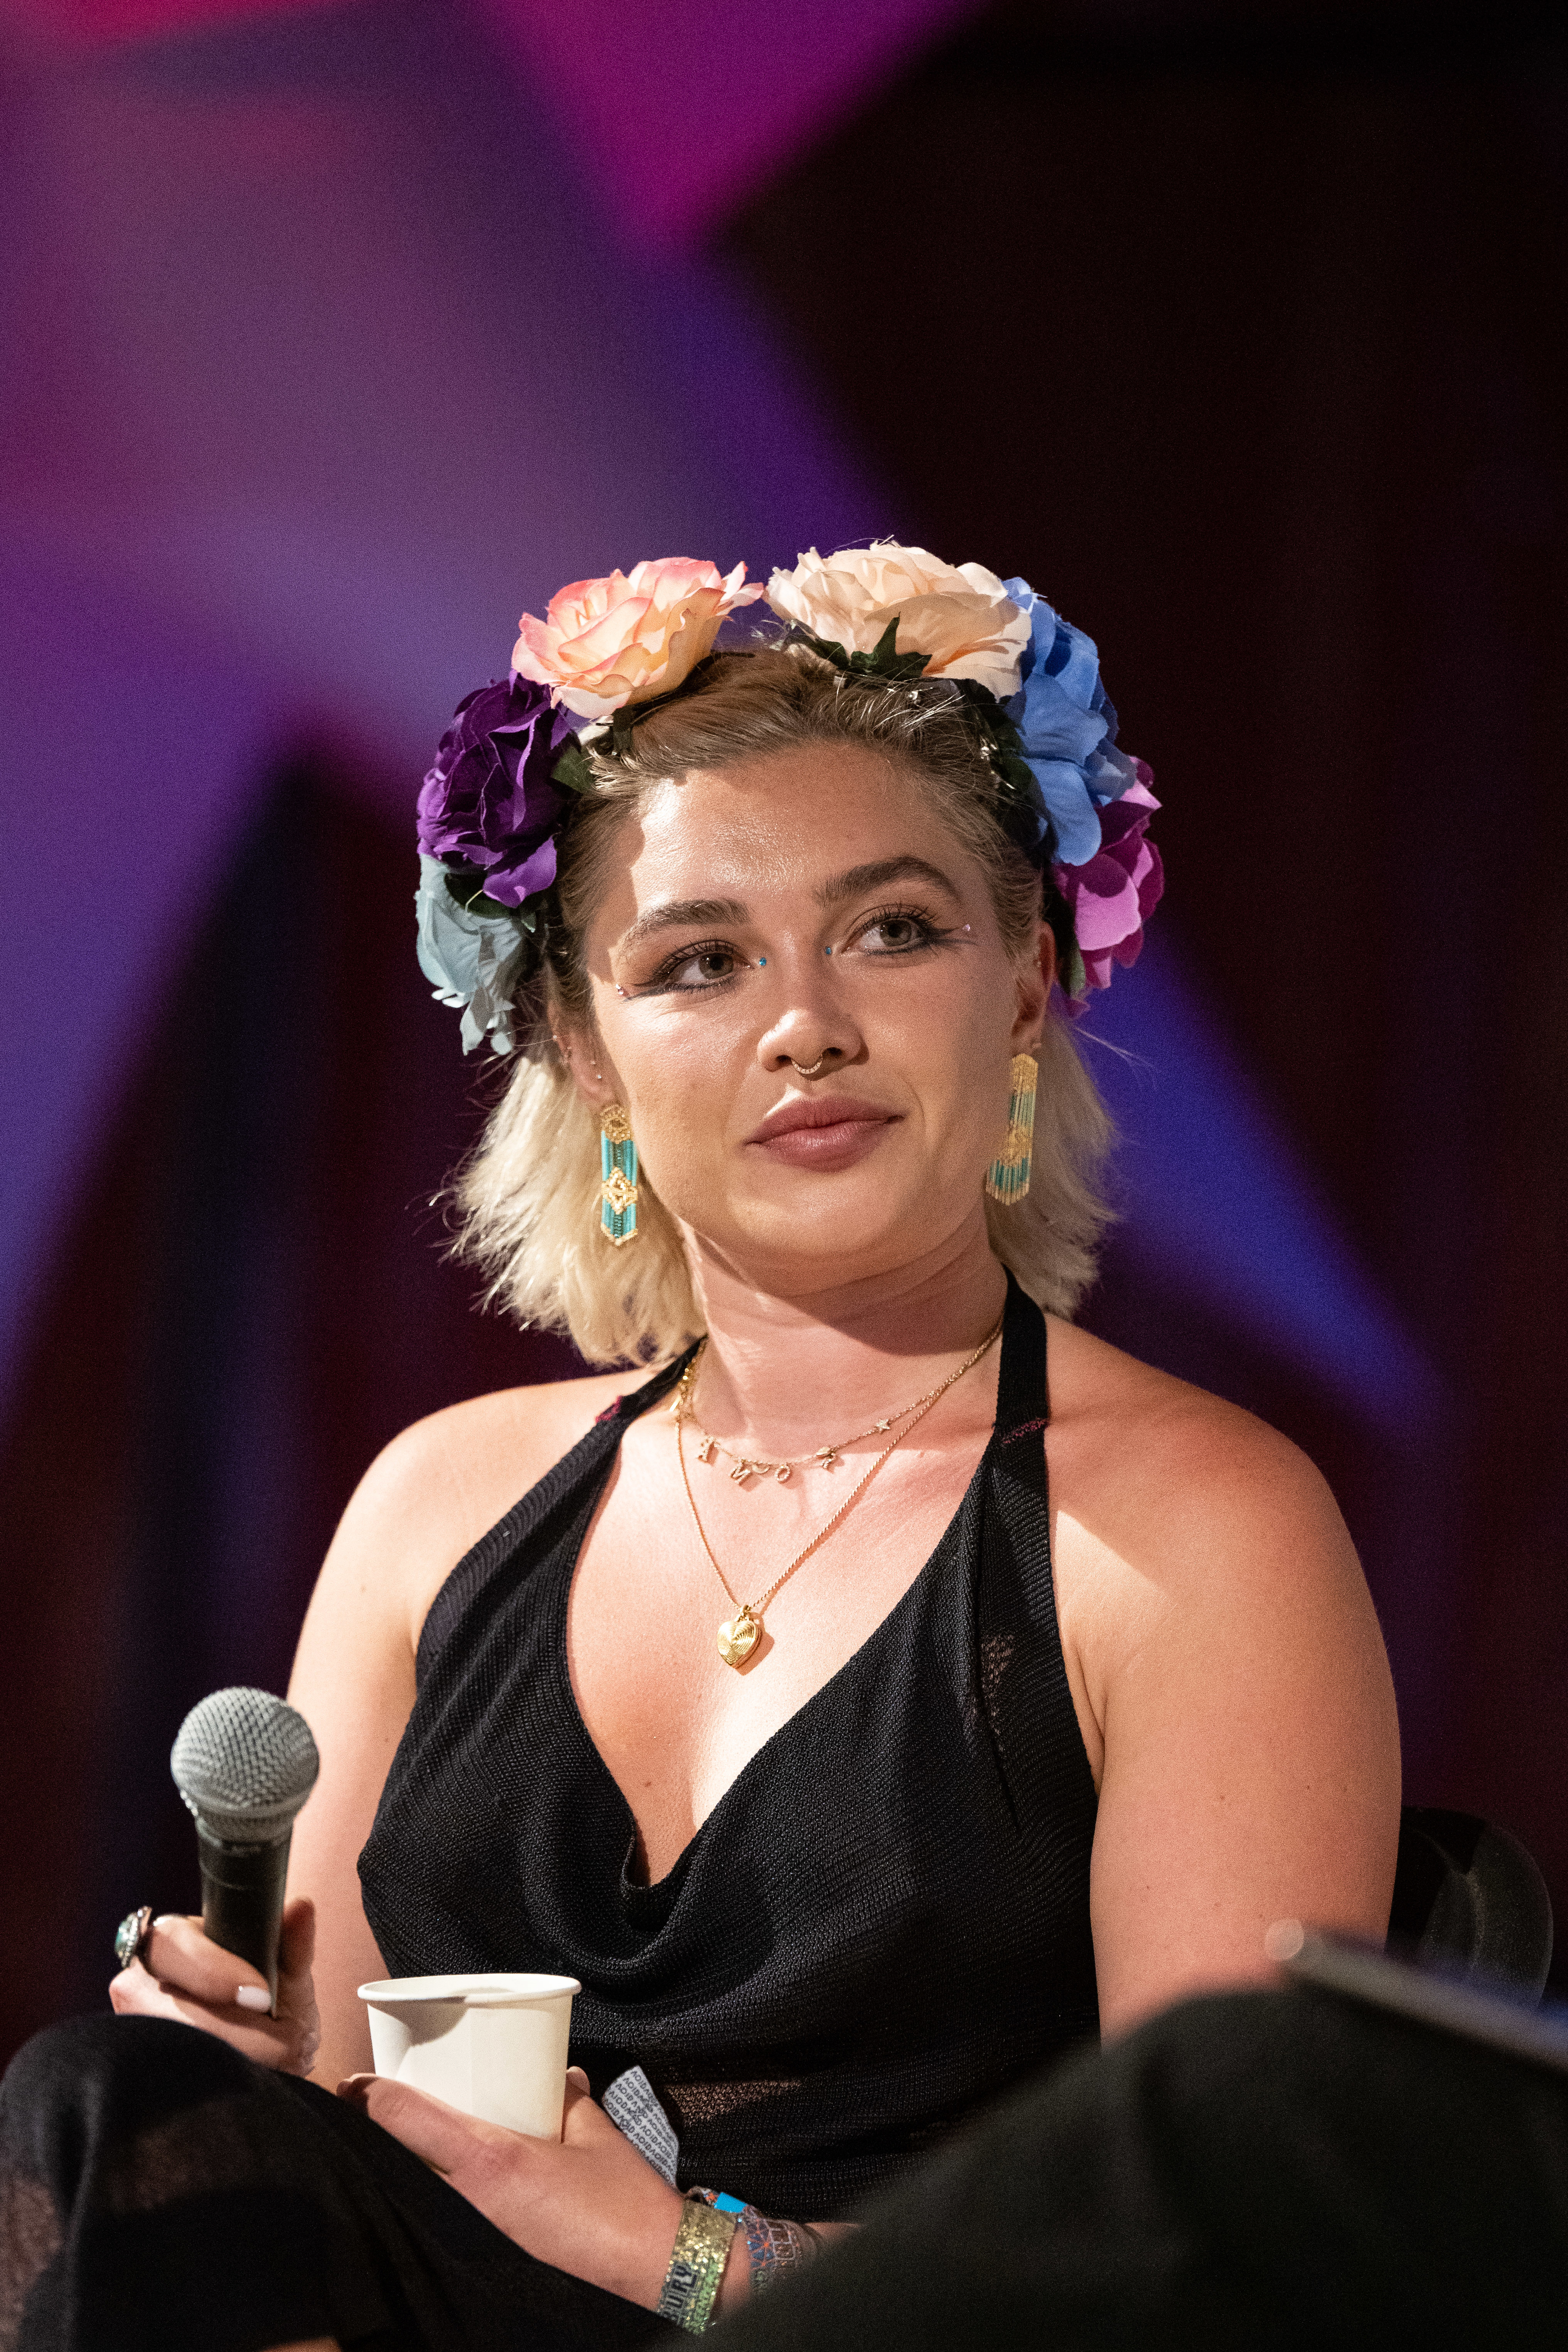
{"x":696,"y":2264}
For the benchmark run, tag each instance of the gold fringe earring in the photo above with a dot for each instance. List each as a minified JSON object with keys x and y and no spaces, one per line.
{"x":617,"y":1176}
{"x":1008,"y":1180}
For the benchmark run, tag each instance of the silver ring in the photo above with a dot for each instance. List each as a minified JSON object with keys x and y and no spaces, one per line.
{"x":817,"y":1067}
{"x":131,"y":1934}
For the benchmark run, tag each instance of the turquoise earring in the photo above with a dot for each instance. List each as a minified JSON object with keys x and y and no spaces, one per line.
{"x":1008,"y":1179}
{"x":617,"y":1176}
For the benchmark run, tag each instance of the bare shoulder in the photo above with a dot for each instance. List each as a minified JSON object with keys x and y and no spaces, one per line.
{"x":1122,"y":1429}
{"x":1229,"y":1678}
{"x":444,"y":1482}
{"x":1175,"y":1511}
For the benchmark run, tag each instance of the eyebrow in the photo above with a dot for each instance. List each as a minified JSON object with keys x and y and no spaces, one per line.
{"x":877,"y":876}
{"x":680,"y":914}
{"x":683,"y":914}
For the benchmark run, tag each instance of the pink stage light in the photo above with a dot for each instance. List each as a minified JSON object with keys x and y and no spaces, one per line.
{"x":96,"y":23}
{"x":677,"y":117}
{"x":680,"y":114}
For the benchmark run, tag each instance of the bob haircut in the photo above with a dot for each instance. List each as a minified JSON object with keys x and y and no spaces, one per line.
{"x":527,"y":1199}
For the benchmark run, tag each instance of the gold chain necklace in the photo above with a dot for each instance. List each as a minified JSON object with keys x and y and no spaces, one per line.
{"x":740,"y":1634}
{"x":826,"y":1457}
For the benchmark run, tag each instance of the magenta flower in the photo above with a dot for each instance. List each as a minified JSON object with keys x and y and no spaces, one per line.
{"x":489,"y":801}
{"x":1111,"y":897}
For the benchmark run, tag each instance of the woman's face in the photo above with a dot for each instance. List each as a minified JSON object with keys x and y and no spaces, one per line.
{"x":810,"y":904}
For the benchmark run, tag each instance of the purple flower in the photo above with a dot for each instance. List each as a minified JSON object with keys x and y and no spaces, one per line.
{"x":489,"y":801}
{"x":1112,"y":894}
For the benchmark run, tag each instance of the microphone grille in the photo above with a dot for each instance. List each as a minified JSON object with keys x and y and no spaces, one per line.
{"x":245,"y":1762}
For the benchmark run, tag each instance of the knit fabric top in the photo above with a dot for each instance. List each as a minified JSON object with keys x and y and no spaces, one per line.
{"x":882,"y":1923}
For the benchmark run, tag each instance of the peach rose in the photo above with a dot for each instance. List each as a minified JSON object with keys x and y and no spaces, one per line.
{"x":960,"y":616}
{"x":604,"y":643}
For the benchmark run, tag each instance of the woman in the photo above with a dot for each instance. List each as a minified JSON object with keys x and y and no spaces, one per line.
{"x":854,"y":1770}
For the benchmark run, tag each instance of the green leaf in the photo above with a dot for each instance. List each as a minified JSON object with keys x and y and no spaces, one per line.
{"x":572,"y":770}
{"x":465,"y":883}
{"x":465,"y":886}
{"x":993,"y":721}
{"x":881,"y":667}
{"x":1014,"y":774}
{"x":885,"y":652}
{"x":825,"y":647}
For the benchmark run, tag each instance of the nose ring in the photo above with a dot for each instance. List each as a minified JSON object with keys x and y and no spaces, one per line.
{"x":828,"y":1054}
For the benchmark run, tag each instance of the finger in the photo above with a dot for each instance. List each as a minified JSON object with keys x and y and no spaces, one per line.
{"x":583,"y":2122}
{"x":297,"y":1943}
{"x":136,"y":1992}
{"x":278,"y":2044}
{"x":271,"y":2042}
{"x":176,"y":1952}
{"x":429,"y":2126}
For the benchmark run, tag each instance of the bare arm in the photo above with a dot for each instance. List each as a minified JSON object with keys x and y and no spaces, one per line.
{"x":423,"y":1504}
{"x":420,"y":1506}
{"x":354,"y":1683}
{"x":1222,"y":1635}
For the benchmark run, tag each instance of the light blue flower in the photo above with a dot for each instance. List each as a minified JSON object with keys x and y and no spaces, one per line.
{"x":1066,"y":725}
{"x":474,"y":962}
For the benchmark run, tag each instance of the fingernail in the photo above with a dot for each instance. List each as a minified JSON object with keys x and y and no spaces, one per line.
{"x":253,"y":1997}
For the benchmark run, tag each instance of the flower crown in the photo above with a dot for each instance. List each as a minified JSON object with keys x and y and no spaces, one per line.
{"x":493,"y":805}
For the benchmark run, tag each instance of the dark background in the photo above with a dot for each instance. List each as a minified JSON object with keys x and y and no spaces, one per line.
{"x":1240,"y":333}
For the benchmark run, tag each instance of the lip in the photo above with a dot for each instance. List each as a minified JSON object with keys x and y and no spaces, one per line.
{"x":827,"y":1131}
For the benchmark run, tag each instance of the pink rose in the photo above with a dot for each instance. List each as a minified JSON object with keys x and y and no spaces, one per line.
{"x":960,"y":616}
{"x":1111,"y":897}
{"x":604,"y":643}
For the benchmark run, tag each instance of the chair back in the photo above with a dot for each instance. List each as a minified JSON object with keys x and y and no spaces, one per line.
{"x":1469,"y":1895}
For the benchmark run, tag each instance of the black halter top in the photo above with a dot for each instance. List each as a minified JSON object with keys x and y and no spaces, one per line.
{"x":883,"y":1922}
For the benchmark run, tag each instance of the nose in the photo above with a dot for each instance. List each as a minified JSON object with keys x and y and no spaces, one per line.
{"x":814,"y":1036}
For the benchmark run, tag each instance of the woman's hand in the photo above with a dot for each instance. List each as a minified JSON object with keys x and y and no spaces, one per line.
{"x":588,"y":2203}
{"x":182,"y":1975}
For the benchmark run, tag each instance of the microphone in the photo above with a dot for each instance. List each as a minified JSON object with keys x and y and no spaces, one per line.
{"x":245,"y":1762}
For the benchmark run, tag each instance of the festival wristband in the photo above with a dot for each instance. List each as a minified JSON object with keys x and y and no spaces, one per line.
{"x":773,"y":2247}
{"x":776,"y":2248}
{"x":697,"y":2262}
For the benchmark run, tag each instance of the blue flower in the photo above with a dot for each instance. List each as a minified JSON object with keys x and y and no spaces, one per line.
{"x":1066,"y":725}
{"x":475,"y":961}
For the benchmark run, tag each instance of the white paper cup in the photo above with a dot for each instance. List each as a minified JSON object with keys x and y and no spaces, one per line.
{"x":493,"y":2046}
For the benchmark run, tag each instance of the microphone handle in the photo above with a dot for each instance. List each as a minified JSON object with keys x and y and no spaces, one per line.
{"x":242,"y":1899}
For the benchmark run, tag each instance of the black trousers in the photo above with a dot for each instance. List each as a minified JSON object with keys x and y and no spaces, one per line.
{"x":1259,"y":2170}
{"x":159,"y":2193}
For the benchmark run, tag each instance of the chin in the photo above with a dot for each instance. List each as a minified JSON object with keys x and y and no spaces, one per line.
{"x":817,"y":1242}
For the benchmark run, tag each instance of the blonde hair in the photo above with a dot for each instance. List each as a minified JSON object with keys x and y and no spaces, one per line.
{"x":527,"y":1198}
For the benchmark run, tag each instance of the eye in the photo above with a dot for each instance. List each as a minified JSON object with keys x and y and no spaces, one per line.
{"x":897,"y":930}
{"x":691,"y":969}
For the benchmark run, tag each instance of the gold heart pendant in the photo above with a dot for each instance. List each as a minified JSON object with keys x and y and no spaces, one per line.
{"x":739,"y":1637}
